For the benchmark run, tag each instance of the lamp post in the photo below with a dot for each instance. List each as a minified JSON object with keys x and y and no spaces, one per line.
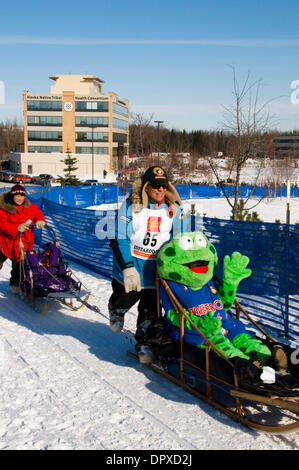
{"x":158,"y":128}
{"x":92,"y":153}
{"x":92,"y":126}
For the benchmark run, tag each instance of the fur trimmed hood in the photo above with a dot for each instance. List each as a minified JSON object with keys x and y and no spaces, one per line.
{"x":7,"y":204}
{"x":139,"y":197}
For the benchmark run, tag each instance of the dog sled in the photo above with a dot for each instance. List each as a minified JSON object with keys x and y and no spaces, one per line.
{"x":45,"y":276}
{"x":209,"y":375}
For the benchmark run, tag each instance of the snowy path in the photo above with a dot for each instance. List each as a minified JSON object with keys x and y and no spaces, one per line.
{"x":67,"y":383}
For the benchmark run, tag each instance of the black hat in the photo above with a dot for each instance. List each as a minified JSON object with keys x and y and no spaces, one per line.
{"x":156,"y":176}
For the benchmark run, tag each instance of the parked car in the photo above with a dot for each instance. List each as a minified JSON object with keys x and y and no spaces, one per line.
{"x":7,"y":175}
{"x":43,"y":179}
{"x":21,"y":178}
{"x":56,"y":180}
{"x":90,"y":182}
{"x":2,"y":174}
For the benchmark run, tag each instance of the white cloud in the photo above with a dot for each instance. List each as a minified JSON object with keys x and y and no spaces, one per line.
{"x":11,"y":40}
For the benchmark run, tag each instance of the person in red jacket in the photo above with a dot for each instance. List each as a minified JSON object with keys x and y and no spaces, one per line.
{"x":17,"y":216}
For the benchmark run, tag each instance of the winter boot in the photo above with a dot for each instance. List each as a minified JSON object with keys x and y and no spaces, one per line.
{"x":145,"y":354}
{"x":116,"y":317}
{"x":280,"y":358}
{"x":14,"y":289}
{"x":116,"y":322}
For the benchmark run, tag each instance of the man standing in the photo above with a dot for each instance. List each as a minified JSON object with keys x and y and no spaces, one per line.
{"x":145,"y":221}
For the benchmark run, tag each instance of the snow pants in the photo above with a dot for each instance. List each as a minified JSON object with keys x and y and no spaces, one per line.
{"x":15,"y":270}
{"x":120,"y":302}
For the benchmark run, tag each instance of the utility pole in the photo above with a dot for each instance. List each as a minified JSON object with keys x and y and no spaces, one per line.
{"x":158,"y":127}
{"x":92,"y":157}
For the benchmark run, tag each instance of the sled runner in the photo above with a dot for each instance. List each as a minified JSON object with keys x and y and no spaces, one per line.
{"x":46,"y":276}
{"x":226,"y":384}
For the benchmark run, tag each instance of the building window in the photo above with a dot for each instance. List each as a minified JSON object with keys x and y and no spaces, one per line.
{"x":85,"y":121}
{"x":120,"y":138}
{"x":44,"y":149}
{"x":29,"y":169}
{"x":44,"y":135}
{"x":119,"y":123}
{"x":96,"y":150}
{"x":36,"y":105}
{"x":118,"y":109}
{"x":92,"y":137}
{"x":44,"y":120}
{"x":99,"y":106}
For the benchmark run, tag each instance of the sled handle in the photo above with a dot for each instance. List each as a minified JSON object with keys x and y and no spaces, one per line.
{"x":242,"y":309}
{"x":54,"y":235}
{"x":21,"y":262}
{"x":239,"y":307}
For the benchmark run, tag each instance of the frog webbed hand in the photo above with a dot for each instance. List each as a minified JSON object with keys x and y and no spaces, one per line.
{"x":234,"y":270}
{"x":208,"y":324}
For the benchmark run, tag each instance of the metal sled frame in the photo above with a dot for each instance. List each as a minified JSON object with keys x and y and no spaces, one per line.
{"x":73,"y":299}
{"x":239,"y":412}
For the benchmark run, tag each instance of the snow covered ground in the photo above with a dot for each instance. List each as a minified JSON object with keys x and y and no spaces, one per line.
{"x":67,"y":383}
{"x":269,"y":210}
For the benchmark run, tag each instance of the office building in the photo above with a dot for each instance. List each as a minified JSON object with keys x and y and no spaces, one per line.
{"x":287,"y":145}
{"x":76,"y":117}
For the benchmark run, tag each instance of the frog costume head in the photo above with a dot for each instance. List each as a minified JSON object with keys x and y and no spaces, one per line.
{"x":189,"y":258}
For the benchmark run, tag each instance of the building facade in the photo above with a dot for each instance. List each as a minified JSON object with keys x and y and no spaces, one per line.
{"x":287,"y":145}
{"x":76,"y":117}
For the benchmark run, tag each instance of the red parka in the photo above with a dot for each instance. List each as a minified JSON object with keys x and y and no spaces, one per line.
{"x":11,"y":216}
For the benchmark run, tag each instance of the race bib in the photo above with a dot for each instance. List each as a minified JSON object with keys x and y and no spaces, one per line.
{"x":151,"y":229}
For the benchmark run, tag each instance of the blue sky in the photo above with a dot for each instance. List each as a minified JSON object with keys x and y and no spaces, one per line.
{"x":172,"y":58}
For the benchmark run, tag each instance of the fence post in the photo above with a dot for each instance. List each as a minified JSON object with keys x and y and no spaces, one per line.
{"x":286,"y":317}
{"x":92,"y":194}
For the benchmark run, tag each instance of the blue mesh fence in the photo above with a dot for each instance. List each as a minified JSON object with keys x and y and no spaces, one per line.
{"x":270,"y":294}
{"x":272,"y":289}
{"x":86,"y":196}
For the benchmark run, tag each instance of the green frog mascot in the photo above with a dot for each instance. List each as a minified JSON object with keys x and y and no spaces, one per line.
{"x":188,"y":262}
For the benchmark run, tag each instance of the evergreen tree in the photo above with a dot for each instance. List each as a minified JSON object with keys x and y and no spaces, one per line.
{"x":70,"y":166}
{"x":241,"y":213}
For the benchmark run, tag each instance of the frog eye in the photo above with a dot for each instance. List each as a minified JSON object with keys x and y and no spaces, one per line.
{"x":186,"y":243}
{"x":201,"y":241}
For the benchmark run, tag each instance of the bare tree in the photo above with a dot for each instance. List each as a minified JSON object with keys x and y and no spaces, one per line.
{"x":142,"y":134}
{"x":246,"y":121}
{"x":11,"y":138}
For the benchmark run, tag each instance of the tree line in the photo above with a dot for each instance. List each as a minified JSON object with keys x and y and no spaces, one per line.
{"x":146,"y":138}
{"x":11,"y":138}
